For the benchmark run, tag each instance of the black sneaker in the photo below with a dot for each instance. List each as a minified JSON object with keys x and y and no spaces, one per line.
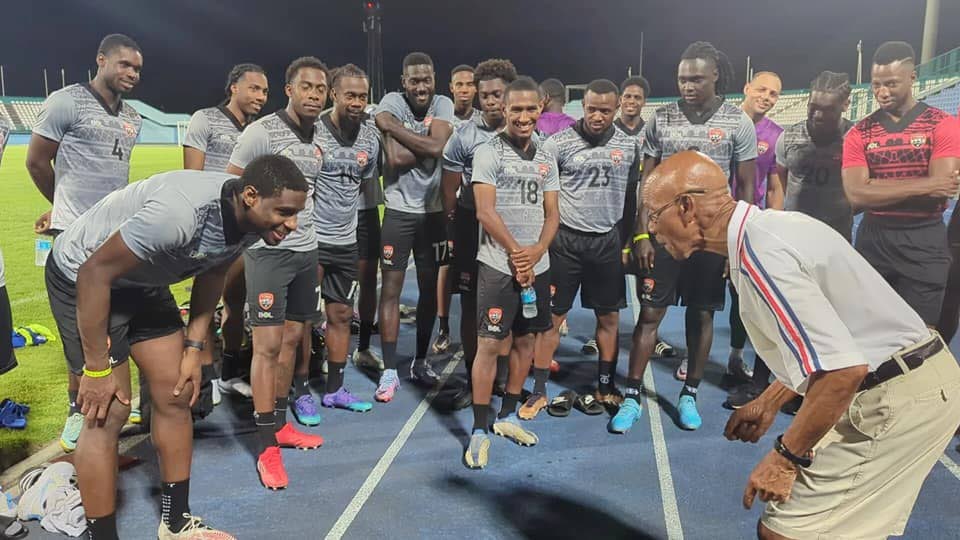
{"x":463,"y":398}
{"x":741,"y":396}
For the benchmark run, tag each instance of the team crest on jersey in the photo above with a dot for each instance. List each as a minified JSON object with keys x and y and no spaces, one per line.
{"x":388,"y":252}
{"x":544,"y":170}
{"x":129,"y":129}
{"x":553,"y":291}
{"x":495,"y":315}
{"x":427,"y":121}
{"x":265,"y":301}
{"x":616,"y":156}
{"x":762,"y":147}
{"x":318,"y":153}
{"x":362,"y":158}
{"x":715,"y":135}
{"x":873,"y":145}
{"x":918,"y":141}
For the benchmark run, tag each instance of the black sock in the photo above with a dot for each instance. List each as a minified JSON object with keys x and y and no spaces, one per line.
{"x":280,"y":411}
{"x":389,"y":355}
{"x":174,"y":498}
{"x":503,"y":370}
{"x":228,"y":365}
{"x":761,"y":373}
{"x":266,"y":423}
{"x":335,"y":375}
{"x":102,"y":528}
{"x":690,"y":387}
{"x":301,"y":385}
{"x":607,"y":370}
{"x":366,"y":329}
{"x":634,"y":389}
{"x":72,"y":396}
{"x":509,"y":405}
{"x":540,"y":380}
{"x":481,"y":413}
{"x":445,"y":325}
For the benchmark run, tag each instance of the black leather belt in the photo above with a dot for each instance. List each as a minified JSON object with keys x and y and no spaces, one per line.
{"x":913,"y":359}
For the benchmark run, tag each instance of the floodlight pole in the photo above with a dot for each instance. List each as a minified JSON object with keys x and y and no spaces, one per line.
{"x":46,"y":87}
{"x":931,"y":20}
{"x":373,"y":28}
{"x":860,"y":62}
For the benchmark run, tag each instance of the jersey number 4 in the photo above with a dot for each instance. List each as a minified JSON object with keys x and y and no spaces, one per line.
{"x":117,"y":149}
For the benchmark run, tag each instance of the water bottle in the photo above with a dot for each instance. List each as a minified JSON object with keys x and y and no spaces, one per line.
{"x":42,"y":250}
{"x":528,"y":297}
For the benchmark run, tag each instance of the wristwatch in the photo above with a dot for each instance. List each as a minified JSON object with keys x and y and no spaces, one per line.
{"x":805,"y":461}
{"x":198,"y":345}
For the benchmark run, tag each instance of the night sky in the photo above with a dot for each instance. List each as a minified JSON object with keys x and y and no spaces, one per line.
{"x":189,"y":45}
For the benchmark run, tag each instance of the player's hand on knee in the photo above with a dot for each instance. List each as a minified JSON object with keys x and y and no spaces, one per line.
{"x":189,"y":372}
{"x":95,"y":395}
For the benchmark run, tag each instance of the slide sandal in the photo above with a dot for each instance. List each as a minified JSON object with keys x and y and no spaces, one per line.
{"x":588,"y":405}
{"x":561,"y":405}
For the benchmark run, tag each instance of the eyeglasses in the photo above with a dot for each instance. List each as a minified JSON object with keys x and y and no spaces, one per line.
{"x":654,"y":216}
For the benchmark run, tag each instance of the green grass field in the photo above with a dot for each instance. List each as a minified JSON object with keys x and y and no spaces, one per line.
{"x":41,"y":379}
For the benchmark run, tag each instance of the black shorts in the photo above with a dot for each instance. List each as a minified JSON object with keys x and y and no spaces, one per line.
{"x":339,"y":263}
{"x":913,"y":257}
{"x":136,"y":314}
{"x":368,"y":233}
{"x":589,"y":260}
{"x":8,"y":359}
{"x":499,"y":309}
{"x":953,"y":227}
{"x":696,"y":283}
{"x":281,"y":285}
{"x":425,"y":234}
{"x":466,"y":241}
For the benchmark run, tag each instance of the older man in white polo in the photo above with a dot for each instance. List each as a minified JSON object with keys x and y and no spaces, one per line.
{"x":882,"y":391}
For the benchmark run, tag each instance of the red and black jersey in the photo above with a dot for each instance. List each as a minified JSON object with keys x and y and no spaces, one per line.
{"x":903,"y":149}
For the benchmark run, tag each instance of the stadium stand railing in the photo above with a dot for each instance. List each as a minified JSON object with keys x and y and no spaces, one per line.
{"x":158,"y":127}
{"x":938,"y":84}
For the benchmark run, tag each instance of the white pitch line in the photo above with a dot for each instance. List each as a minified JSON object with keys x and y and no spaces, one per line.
{"x":671,"y":513}
{"x":370,"y":484}
{"x":950,"y":465}
{"x":28,"y":299}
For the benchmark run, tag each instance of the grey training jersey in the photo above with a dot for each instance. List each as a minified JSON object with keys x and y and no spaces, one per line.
{"x":95,"y":145}
{"x":814,"y":183}
{"x":521,"y":178}
{"x":5,"y":128}
{"x":277,"y":134}
{"x":459,"y":151}
{"x":213,"y":131}
{"x":347,"y":166}
{"x":474,"y":116}
{"x":416,"y":191}
{"x":371,"y":193}
{"x":724,"y":133}
{"x":594,"y":177}
{"x":178,"y":223}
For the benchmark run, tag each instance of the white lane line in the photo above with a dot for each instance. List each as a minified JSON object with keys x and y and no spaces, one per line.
{"x":370,"y":484}
{"x":671,"y":513}
{"x":950,"y":465}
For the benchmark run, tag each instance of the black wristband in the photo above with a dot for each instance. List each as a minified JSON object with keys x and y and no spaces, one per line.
{"x":198,"y":345}
{"x":804,"y":461}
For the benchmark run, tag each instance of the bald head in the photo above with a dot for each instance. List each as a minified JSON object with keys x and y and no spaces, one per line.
{"x":683,"y":172}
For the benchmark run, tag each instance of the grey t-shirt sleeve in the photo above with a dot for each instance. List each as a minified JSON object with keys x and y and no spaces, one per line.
{"x":781,"y":150}
{"x":550,"y":147}
{"x":57,"y":114}
{"x":198,"y":132}
{"x":163,"y":223}
{"x":651,"y":142}
{"x":453,"y":158}
{"x":485,"y":166}
{"x":394,"y":104}
{"x":444,"y":110}
{"x":372,"y":170}
{"x":745,"y":140}
{"x":252,"y":143}
{"x":552,"y":180}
